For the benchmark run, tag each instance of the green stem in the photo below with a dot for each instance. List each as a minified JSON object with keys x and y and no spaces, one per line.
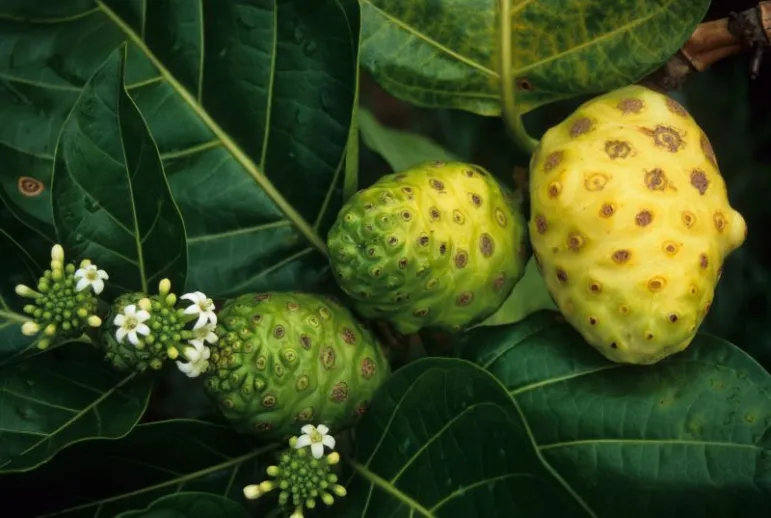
{"x":14,"y":317}
{"x":351,"y":179}
{"x":511,"y":114}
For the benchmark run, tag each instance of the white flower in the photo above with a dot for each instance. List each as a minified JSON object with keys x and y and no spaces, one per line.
{"x":198,"y":359}
{"x":90,"y":275}
{"x":130,"y":322}
{"x":205,"y":334}
{"x":316,"y":438}
{"x":202,"y":306}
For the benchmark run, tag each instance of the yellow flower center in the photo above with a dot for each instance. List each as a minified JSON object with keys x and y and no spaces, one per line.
{"x":130,"y":323}
{"x":316,"y":436}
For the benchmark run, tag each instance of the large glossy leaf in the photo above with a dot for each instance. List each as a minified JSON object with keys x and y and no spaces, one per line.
{"x":444,"y":53}
{"x":248,"y":101}
{"x":442,"y":438}
{"x":154,"y":461}
{"x":690,"y":436}
{"x":185,"y":505}
{"x":113,"y":204}
{"x":48,"y":403}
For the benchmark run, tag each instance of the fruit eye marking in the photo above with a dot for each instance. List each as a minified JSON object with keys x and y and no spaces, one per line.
{"x":626,"y":106}
{"x":643,"y":218}
{"x":553,"y":160}
{"x":580,"y":127}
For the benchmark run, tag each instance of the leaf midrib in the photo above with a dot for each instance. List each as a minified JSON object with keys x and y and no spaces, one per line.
{"x":236,"y":152}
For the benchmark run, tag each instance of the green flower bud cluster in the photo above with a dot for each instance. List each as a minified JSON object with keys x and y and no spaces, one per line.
{"x":146,"y":330}
{"x":301,"y":479}
{"x":62,"y":307}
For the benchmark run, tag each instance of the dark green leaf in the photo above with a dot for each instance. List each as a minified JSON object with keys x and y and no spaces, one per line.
{"x":153,"y":461}
{"x":401,"y":149}
{"x":443,"y":53}
{"x":188,"y":505}
{"x":689,"y":436}
{"x":249,"y":102}
{"x":442,"y":438}
{"x":113,"y":204}
{"x":48,"y":403}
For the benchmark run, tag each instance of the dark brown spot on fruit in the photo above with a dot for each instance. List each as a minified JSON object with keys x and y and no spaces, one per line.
{"x":443,"y":248}
{"x":431,"y":284}
{"x":361,"y":409}
{"x":554,"y":189}
{"x":269,"y":400}
{"x":406,"y":215}
{"x":292,"y":306}
{"x":706,"y":148}
{"x":305,"y":415}
{"x":263,"y":426}
{"x":553,"y":159}
{"x":434,"y":213}
{"x":595,"y":182}
{"x":703,"y":261}
{"x":575,"y":241}
{"x":328,"y":357}
{"x":580,"y":127}
{"x":595,"y":287}
{"x":302,"y":383}
{"x":499,"y":282}
{"x":464,"y":299}
{"x":436,"y":184}
{"x":720,"y":222}
{"x":676,"y":108}
{"x":438,"y":163}
{"x":607,"y":210}
{"x":592,"y":321}
{"x":623,"y":309}
{"x":673,"y":318}
{"x":688,"y":219}
{"x":649,"y":336}
{"x":626,"y":106}
{"x":278,"y":331}
{"x":621,"y":256}
{"x":29,"y":186}
{"x":339,"y":392}
{"x":423,"y":240}
{"x":306,"y":342}
{"x":613,"y":345}
{"x":256,"y":319}
{"x":348,"y":336}
{"x":475,"y":199}
{"x":261,"y":362}
{"x":501,"y":218}
{"x":407,"y":190}
{"x":403,"y":263}
{"x":420,"y":313}
{"x":540,"y":223}
{"x":656,"y":284}
{"x":656,"y":180}
{"x":469,"y":173}
{"x":457,"y":217}
{"x":643,"y":218}
{"x":666,"y":137}
{"x":670,"y":248}
{"x":367,"y":368}
{"x":461,"y":259}
{"x":375,"y":272}
{"x":371,"y":252}
{"x":486,"y":245}
{"x":262,"y":297}
{"x":699,"y":181}
{"x":562,"y":276}
{"x":617,"y":149}
{"x":693,"y":290}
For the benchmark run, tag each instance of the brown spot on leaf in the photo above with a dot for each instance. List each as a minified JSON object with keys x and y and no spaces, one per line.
{"x":656,"y":180}
{"x":29,"y":186}
{"x":524,"y":84}
{"x":629,"y":105}
{"x":580,"y":126}
{"x":617,"y":149}
{"x":699,"y":181}
{"x":643,"y":218}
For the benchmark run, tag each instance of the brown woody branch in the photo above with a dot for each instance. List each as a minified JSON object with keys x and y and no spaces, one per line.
{"x":747,"y":31}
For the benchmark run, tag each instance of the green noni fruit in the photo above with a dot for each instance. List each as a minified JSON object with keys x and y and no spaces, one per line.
{"x":440,"y":245}
{"x":284,"y":360}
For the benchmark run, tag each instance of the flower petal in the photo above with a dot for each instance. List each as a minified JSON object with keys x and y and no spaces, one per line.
{"x":317,"y":449}
{"x":328,"y":441}
{"x":82,"y":284}
{"x":103,"y":275}
{"x":80,"y":273}
{"x":211,"y":338}
{"x":133,"y":338}
{"x":212,"y":317}
{"x":142,"y":329}
{"x":192,"y":310}
{"x":142,"y":315}
{"x":130,"y":310}
{"x":119,"y":320}
{"x":323,"y":429}
{"x":303,"y":441}
{"x":201,"y":321}
{"x":98,"y":286}
{"x":120,"y":334}
{"x":206,"y":353}
{"x":308,"y":428}
{"x":184,"y":367}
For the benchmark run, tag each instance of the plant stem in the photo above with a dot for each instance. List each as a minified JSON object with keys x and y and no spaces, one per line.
{"x":511,"y":114}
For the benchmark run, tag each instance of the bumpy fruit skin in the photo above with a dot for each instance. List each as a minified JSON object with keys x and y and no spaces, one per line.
{"x":284,"y":360}
{"x":440,"y":245}
{"x":631,"y":223}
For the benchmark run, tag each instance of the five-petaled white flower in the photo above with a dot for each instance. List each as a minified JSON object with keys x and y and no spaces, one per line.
{"x":205,"y":334}
{"x":91,"y":276}
{"x":131,"y":322}
{"x":198,"y":359}
{"x":201,"y":306}
{"x":316,"y":437}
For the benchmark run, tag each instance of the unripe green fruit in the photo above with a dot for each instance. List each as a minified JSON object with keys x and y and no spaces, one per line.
{"x":631,"y":223}
{"x":126,"y":356}
{"x":284,"y":360}
{"x":440,"y":245}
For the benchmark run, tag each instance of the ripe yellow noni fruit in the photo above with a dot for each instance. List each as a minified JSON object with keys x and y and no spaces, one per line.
{"x":630,"y":223}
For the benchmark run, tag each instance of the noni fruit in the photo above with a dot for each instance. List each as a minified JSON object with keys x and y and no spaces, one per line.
{"x":284,"y":360}
{"x":631,"y":223}
{"x":440,"y":245}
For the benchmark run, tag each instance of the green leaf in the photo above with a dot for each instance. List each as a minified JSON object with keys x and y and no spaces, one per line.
{"x":185,"y":505}
{"x":401,"y":149}
{"x":154,"y":461}
{"x":113,"y":204}
{"x":245,"y":99}
{"x":689,"y":436}
{"x":48,"y":403}
{"x":529,"y":295}
{"x":442,"y":438}
{"x":444,"y":53}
